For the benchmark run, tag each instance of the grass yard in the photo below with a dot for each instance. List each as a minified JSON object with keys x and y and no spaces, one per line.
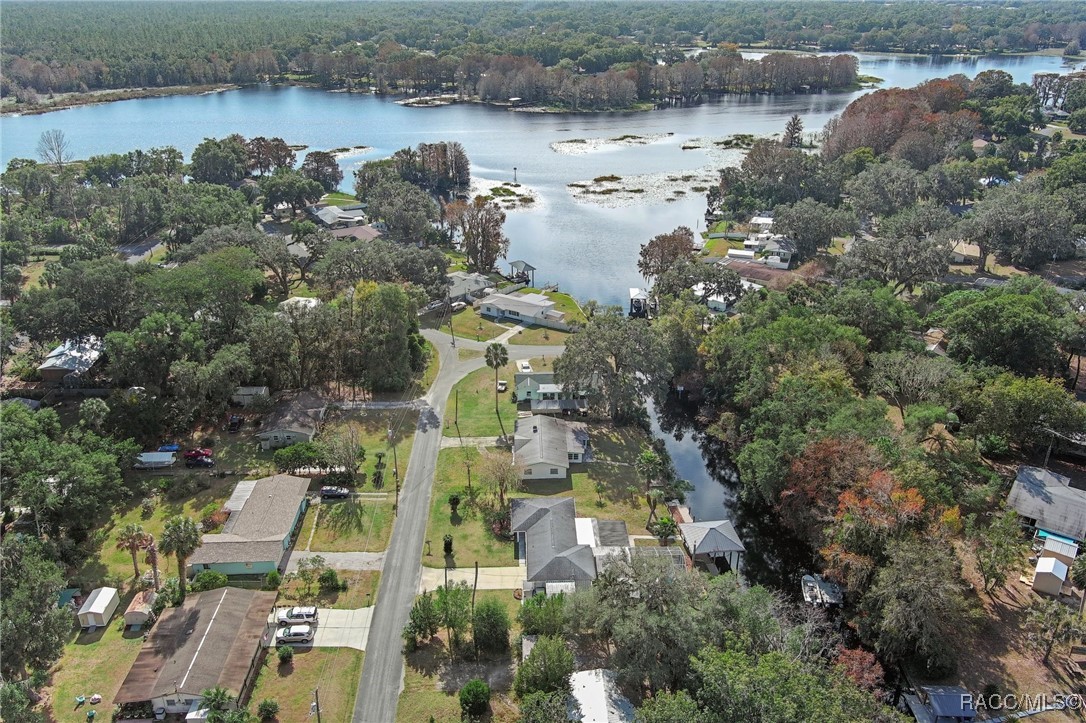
{"x":372,"y":426}
{"x":432,"y":680}
{"x":719,"y":246}
{"x":361,"y":592}
{"x":468,"y":354}
{"x":338,"y":197}
{"x":615,"y":450}
{"x":458,"y":260}
{"x":540,"y":336}
{"x":92,"y":663}
{"x":334,"y":670}
{"x":114,"y":567}
{"x":468,"y":324}
{"x":433,"y":366}
{"x":354,"y":525}
{"x":474,"y":412}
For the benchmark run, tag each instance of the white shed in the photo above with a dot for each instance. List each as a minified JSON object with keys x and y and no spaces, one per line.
{"x":244,"y":395}
{"x":1065,"y":552}
{"x":1050,"y":576}
{"x":99,"y":607}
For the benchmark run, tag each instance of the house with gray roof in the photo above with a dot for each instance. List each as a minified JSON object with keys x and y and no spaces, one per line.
{"x":529,"y":309}
{"x":545,"y":395}
{"x":256,"y":537}
{"x":1046,"y":501}
{"x":555,"y":557}
{"x":71,"y":360}
{"x":465,"y":287}
{"x":296,"y":418}
{"x":339,"y":216}
{"x":544,"y":447}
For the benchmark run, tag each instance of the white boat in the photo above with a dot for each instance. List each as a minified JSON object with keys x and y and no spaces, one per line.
{"x":818,"y":591}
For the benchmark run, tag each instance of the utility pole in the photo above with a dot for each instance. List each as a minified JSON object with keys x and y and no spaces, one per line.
{"x":317,"y":703}
{"x":456,"y":408}
{"x":395,"y":467}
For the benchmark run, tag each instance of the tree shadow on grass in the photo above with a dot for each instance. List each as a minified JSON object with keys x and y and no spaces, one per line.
{"x":343,"y":517}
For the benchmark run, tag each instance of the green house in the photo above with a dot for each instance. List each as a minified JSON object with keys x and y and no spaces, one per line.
{"x":256,"y":539}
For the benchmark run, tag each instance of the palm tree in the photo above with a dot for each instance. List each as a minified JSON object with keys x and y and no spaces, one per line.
{"x":180,"y":538}
{"x":132,"y":537}
{"x":216,"y":701}
{"x":1078,"y":577}
{"x":651,"y":467}
{"x":152,"y":560}
{"x":497,"y":356}
{"x":653,"y":497}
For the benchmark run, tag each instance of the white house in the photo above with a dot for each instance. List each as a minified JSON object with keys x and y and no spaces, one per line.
{"x":98,"y":608}
{"x":763,"y":221}
{"x":464,"y":286}
{"x":299,"y":303}
{"x":71,"y":360}
{"x":722,"y":304}
{"x":296,"y":418}
{"x":544,"y":395}
{"x":544,"y":447}
{"x":1049,"y":576}
{"x":527,"y":309}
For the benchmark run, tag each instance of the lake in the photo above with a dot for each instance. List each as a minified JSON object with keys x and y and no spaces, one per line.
{"x":588,"y":249}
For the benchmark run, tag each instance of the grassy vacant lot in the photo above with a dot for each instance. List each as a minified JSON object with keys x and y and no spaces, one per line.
{"x":334,"y":670}
{"x":338,"y":197}
{"x":539,"y":335}
{"x":468,"y":324}
{"x":361,"y":592}
{"x":372,"y":426}
{"x":720,"y":246}
{"x":476,"y":401}
{"x":92,"y":663}
{"x":613,"y":471}
{"x":433,"y":680}
{"x":354,"y":525}
{"x":113,"y":566}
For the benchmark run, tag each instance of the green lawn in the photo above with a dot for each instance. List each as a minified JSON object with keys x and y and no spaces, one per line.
{"x":472,"y":402}
{"x":338,"y":197}
{"x":458,"y":261}
{"x":361,"y":592}
{"x":334,"y":670}
{"x":354,"y":525}
{"x":615,"y":451}
{"x":468,"y":324}
{"x":372,"y":427}
{"x":720,"y":246}
{"x":539,"y":335}
{"x":92,"y":663}
{"x":433,"y":366}
{"x":432,"y":679}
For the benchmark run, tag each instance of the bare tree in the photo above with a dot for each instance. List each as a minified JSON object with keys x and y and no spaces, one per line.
{"x":344,"y":449}
{"x":500,"y":474}
{"x":53,"y":147}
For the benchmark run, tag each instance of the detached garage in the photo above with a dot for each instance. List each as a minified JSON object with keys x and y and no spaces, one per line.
{"x":99,"y":608}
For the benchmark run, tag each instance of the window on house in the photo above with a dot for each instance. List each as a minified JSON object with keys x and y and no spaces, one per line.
{"x":554,"y":470}
{"x":249,"y":565}
{"x":528,"y":471}
{"x":572,"y":456}
{"x":510,"y":312}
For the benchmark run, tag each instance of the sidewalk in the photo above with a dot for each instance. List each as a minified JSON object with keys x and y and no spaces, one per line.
{"x":490,"y":578}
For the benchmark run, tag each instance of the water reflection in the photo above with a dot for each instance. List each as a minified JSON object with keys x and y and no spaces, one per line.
{"x":774,"y":557}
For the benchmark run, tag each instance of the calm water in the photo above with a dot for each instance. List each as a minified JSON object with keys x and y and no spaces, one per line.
{"x":588,"y":250}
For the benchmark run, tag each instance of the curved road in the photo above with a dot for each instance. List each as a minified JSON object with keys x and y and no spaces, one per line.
{"x":382,"y":674}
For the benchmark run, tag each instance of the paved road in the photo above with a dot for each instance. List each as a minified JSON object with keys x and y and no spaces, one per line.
{"x":382,"y":675}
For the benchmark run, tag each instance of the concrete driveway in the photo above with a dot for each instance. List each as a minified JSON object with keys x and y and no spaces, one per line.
{"x":343,"y":628}
{"x":490,"y":578}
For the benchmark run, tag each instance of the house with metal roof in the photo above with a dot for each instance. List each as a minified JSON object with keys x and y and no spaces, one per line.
{"x":544,"y":447}
{"x":523,"y":308}
{"x":339,"y":216}
{"x":712,"y":541}
{"x":556,"y":559}
{"x":941,"y":704}
{"x":1046,"y":501}
{"x":296,"y":418}
{"x":256,"y":538}
{"x":71,"y":360}
{"x":214,"y":638}
{"x":464,"y":286}
{"x":544,"y":395}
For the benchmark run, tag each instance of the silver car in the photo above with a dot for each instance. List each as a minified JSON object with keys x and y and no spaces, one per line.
{"x":294,"y":634}
{"x":297,"y":615}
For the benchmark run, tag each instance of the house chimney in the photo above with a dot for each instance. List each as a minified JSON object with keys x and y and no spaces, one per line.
{"x":535,"y":429}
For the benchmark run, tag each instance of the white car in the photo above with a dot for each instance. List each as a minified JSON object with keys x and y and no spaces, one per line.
{"x":297,"y":615}
{"x":294,"y":634}
{"x":502,"y":385}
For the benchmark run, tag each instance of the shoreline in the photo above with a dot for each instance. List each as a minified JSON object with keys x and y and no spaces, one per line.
{"x":66,"y":101}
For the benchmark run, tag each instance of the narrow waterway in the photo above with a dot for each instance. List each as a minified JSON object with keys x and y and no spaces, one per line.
{"x":774,"y":557}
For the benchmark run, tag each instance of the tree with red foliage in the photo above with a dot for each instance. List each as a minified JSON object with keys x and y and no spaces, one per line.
{"x":861,"y":667}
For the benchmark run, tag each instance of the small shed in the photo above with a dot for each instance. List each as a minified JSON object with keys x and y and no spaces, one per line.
{"x":99,"y":607}
{"x":139,"y":610}
{"x":245,"y":395}
{"x":714,"y":541}
{"x":1050,"y":576}
{"x":1062,"y":550}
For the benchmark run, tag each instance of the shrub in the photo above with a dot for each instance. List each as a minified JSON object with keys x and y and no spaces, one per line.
{"x":285,"y":654}
{"x":448,"y":544}
{"x":474,"y":697}
{"x":547,"y":668}
{"x":267,"y":709}
{"x":208,"y":580}
{"x":272,"y":580}
{"x":328,"y":580}
{"x":180,"y":488}
{"x":542,"y":615}
{"x":490,"y":626}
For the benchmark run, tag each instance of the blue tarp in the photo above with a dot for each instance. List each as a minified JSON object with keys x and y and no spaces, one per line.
{"x":170,"y":448}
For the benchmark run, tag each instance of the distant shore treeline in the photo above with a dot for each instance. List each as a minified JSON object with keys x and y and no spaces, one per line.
{"x":430,"y":47}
